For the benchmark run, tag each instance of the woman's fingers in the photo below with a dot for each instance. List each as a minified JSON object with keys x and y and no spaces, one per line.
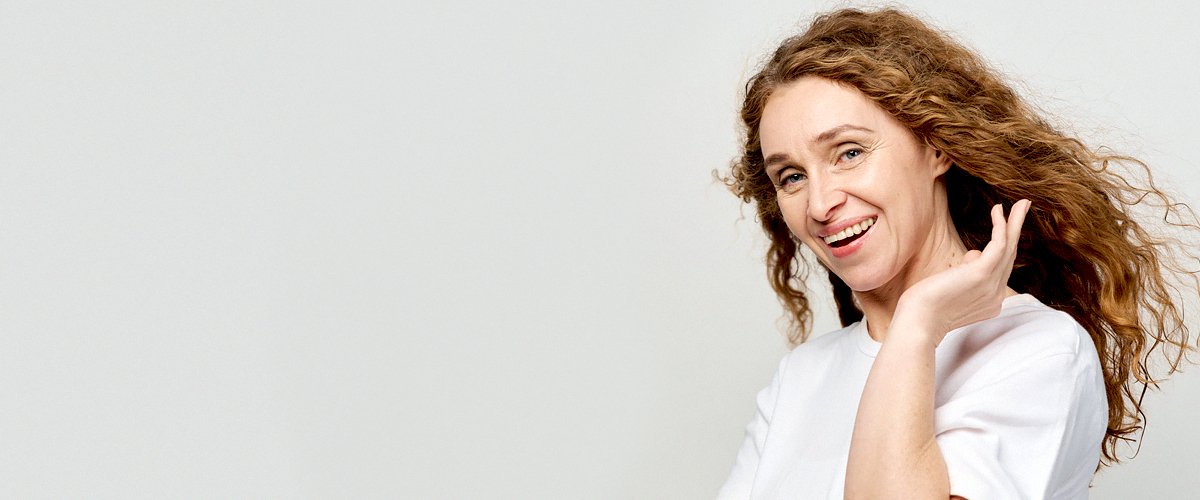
{"x":999,"y":225}
{"x":1000,"y":253}
{"x":1016,"y":219}
{"x":998,"y":246}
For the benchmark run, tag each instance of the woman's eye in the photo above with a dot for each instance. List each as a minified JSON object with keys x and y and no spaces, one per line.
{"x":791,"y":179}
{"x":851,"y":154}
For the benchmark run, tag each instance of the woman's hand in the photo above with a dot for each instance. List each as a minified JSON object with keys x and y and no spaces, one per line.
{"x":969,"y":291}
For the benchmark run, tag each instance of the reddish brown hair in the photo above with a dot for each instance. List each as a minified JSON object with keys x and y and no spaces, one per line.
{"x":1081,"y":251}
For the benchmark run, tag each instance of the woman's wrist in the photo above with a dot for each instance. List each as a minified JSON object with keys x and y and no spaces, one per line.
{"x":910,"y":327}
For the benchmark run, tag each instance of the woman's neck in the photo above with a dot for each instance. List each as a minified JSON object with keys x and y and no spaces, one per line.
{"x":941,"y":250}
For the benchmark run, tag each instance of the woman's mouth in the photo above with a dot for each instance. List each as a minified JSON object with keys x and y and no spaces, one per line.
{"x":848,"y":235}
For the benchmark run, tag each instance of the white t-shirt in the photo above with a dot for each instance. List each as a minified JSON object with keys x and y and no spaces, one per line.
{"x":1020,"y":411}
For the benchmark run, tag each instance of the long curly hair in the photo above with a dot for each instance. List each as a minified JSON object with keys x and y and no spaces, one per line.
{"x":1081,"y":249}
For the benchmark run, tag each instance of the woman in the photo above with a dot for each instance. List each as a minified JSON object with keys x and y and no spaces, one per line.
{"x":986,"y":353}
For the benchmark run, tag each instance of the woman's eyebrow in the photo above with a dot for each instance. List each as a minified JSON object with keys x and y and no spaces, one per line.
{"x":822,"y":137}
{"x":840,"y":129}
{"x":775,"y":158}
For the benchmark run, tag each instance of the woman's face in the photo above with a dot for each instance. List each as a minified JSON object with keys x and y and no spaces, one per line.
{"x":855,"y":185}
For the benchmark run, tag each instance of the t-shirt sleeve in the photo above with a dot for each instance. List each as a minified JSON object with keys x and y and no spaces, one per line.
{"x":741,"y":478}
{"x":1031,"y":432}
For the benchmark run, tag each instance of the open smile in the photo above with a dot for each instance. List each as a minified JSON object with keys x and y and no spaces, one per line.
{"x":849,"y":234}
{"x":849,"y":239}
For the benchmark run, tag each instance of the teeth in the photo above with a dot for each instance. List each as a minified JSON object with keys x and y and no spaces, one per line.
{"x":850,"y":231}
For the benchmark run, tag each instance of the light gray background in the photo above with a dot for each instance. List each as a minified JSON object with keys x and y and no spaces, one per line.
{"x":471,"y":250}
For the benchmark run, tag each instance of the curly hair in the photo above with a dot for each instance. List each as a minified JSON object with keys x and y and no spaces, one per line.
{"x":1081,"y":250}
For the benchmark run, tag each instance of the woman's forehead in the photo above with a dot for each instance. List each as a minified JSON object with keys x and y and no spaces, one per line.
{"x":812,"y":110}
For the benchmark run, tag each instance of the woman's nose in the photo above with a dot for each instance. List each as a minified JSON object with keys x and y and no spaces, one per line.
{"x":824,"y":198}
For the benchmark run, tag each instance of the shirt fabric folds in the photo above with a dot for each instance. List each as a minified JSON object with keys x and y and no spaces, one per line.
{"x":1020,"y":411}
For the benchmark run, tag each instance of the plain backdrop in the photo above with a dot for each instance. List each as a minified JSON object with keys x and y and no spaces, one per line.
{"x":443,"y":250}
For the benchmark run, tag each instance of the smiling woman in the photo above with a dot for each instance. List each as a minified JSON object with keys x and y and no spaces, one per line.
{"x":982,"y":355}
{"x":839,"y":162}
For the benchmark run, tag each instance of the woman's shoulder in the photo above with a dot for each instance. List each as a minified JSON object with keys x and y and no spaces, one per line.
{"x":1026,"y":328}
{"x":1026,"y":320}
{"x":1029,"y":342}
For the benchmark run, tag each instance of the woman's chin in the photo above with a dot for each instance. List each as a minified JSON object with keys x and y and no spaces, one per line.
{"x":863,"y":284}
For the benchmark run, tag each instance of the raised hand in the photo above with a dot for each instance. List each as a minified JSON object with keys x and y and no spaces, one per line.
{"x":970,"y":290}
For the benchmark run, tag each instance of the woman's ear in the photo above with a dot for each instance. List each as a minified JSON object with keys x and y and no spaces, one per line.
{"x":941,"y":163}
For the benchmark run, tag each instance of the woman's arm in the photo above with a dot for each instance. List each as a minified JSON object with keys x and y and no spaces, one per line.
{"x":893,"y":451}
